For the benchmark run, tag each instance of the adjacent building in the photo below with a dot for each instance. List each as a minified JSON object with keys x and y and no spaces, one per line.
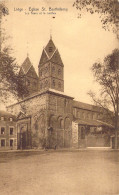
{"x":8,"y":131}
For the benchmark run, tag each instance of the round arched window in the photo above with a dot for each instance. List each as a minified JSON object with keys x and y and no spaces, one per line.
{"x":59,"y":85}
{"x":46,"y":83}
{"x":53,"y":82}
{"x":53,"y":69}
{"x":59,"y":72}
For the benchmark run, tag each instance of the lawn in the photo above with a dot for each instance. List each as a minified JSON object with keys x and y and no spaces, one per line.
{"x":83,"y":172}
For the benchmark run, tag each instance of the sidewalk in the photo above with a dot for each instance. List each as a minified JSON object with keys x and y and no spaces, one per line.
{"x":60,"y":150}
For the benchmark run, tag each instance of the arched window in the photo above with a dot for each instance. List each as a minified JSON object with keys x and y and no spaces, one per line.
{"x":61,"y":123}
{"x":46,"y":83}
{"x":41,"y":86}
{"x":53,"y":69}
{"x":59,"y":72}
{"x":27,"y":82}
{"x":59,"y":85}
{"x":50,"y":49}
{"x":53,"y":83}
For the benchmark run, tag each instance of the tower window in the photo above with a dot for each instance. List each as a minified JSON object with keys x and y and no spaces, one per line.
{"x":27,"y":82}
{"x":59,"y":85}
{"x":53,"y":82}
{"x":50,"y":49}
{"x":41,"y":86}
{"x":46,"y":83}
{"x":59,"y":72}
{"x":53,"y":69}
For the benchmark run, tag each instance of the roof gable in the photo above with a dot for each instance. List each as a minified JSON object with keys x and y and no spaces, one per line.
{"x":26,"y":65}
{"x":32,"y":73}
{"x":44,"y":58}
{"x":50,"y":48}
{"x":56,"y":58}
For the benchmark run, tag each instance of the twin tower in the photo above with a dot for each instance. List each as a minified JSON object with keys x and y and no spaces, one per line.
{"x":50,"y":70}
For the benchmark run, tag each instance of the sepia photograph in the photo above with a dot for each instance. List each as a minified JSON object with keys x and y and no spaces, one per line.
{"x":59,"y":97}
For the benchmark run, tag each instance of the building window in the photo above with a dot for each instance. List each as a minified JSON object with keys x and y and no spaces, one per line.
{"x":11,"y":130}
{"x":11,"y":142}
{"x":82,"y":133}
{"x":2,"y":130}
{"x":11,"y":119}
{"x":2,"y":142}
{"x":2,"y":118}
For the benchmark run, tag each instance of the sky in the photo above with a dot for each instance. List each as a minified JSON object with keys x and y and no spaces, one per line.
{"x":80,"y":41}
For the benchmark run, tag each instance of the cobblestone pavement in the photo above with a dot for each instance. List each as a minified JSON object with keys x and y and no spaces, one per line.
{"x":83,"y":172}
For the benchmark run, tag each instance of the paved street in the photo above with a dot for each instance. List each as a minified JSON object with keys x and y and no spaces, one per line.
{"x":83,"y":172}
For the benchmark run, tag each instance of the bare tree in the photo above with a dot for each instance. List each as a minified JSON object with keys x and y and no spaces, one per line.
{"x":108,"y":11}
{"x":107,"y":75}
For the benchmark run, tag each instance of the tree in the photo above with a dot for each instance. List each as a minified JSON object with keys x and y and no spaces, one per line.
{"x":10,"y":80}
{"x":108,"y":11}
{"x":106,"y":74}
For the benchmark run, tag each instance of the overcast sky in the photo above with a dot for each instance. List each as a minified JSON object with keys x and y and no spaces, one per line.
{"x":81,"y":42}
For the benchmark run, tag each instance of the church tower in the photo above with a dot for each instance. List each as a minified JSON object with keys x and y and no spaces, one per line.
{"x":29,"y":76}
{"x":51,"y":69}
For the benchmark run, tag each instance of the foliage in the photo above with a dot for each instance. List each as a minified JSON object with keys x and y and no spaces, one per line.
{"x":107,"y":75}
{"x":11,"y":83}
{"x":10,"y":80}
{"x":108,"y":11}
{"x":3,"y":9}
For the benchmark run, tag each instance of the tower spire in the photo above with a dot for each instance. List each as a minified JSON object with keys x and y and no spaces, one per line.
{"x":51,"y":33}
{"x":27,"y":49}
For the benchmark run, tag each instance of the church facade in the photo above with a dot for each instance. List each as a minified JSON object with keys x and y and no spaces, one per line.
{"x":47,"y":117}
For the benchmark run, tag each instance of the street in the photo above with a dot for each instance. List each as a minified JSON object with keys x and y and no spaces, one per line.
{"x":79,"y":172}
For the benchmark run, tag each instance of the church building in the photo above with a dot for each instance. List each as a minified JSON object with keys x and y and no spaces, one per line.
{"x":48,"y":117}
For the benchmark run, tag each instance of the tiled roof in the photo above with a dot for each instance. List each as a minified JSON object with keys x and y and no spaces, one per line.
{"x":93,"y":122}
{"x":86,"y":106}
{"x":26,"y":65}
{"x":50,"y":52}
{"x":50,"y":48}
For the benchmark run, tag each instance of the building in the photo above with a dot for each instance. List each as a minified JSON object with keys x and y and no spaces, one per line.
{"x":48,"y":117}
{"x":8,"y":131}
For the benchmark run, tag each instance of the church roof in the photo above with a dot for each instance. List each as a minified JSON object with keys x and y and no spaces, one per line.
{"x":93,"y":122}
{"x":50,"y":52}
{"x":85,"y":106}
{"x":26,"y":65}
